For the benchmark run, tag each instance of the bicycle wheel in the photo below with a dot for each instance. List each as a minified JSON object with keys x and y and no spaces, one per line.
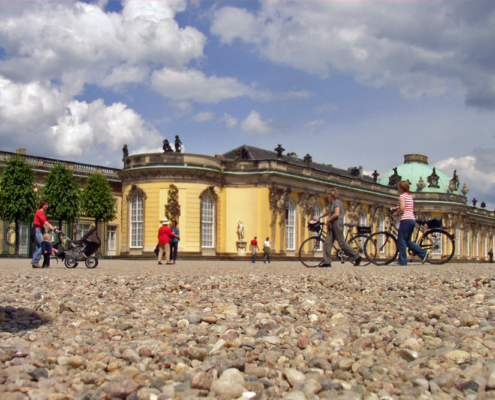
{"x":381,"y":248}
{"x":440,"y":244}
{"x":357,"y":243}
{"x":311,"y":252}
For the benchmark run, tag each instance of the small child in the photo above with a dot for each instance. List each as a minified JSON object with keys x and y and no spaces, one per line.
{"x":46,"y":248}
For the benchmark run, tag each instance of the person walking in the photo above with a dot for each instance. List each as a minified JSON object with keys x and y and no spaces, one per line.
{"x":335,"y":229}
{"x":490,"y":254}
{"x":405,"y":209}
{"x":164,"y":235}
{"x":254,"y":249}
{"x":40,"y":221}
{"x":174,"y":242}
{"x":266,"y":250}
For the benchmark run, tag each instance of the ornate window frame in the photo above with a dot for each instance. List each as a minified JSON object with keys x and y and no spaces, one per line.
{"x":291,"y":225}
{"x":135,"y":191}
{"x":208,"y":195}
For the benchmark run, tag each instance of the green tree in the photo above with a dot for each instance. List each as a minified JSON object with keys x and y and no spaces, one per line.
{"x":62,"y":192}
{"x":97,"y":201}
{"x":18,"y":197}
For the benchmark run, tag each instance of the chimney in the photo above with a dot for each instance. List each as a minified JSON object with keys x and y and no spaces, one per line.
{"x":21,"y":152}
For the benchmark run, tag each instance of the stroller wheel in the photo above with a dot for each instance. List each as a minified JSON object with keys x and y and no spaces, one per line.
{"x":91,"y":262}
{"x":70,"y":262}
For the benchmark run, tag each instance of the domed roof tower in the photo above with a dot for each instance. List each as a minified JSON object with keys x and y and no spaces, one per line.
{"x":421,"y":176}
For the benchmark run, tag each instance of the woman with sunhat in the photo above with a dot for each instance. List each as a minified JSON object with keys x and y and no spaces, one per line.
{"x":164,"y":235}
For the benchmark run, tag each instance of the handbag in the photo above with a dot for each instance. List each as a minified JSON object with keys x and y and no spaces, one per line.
{"x":157,"y":249}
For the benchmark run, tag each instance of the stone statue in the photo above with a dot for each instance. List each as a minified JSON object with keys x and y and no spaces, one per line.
{"x":125,"y":151}
{"x":421,"y":184}
{"x":240,"y":230}
{"x":279,"y":149}
{"x":308,"y":160}
{"x":375,"y":176}
{"x":166,"y":147}
{"x":241,"y":154}
{"x":178,"y":144}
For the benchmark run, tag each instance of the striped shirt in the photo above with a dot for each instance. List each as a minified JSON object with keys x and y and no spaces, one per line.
{"x":409,"y":207}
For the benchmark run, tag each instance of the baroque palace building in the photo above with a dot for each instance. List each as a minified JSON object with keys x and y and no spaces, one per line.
{"x":221,"y":202}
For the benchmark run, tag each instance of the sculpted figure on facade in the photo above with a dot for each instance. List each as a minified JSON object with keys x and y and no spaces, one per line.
{"x":125,"y":151}
{"x":240,"y":230}
{"x":172,"y":208}
{"x":354,"y":210}
{"x":376,"y":211}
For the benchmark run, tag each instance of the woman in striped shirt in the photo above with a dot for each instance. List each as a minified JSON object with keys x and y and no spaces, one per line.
{"x":405,"y":209}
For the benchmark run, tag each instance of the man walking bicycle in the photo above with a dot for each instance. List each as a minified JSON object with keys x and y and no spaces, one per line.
{"x":335,"y":228}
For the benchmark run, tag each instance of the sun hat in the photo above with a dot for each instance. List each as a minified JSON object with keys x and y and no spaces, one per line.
{"x":164,"y":221}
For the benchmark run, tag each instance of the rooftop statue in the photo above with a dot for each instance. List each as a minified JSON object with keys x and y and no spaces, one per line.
{"x":166,"y":147}
{"x":178,"y":144}
{"x":125,"y":151}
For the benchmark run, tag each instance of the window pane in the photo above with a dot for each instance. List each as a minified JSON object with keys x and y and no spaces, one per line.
{"x":207,"y":222}
{"x":137,"y":221}
{"x":291,"y":226}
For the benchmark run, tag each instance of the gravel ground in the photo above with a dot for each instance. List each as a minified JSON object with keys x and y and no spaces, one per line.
{"x":139,"y":331}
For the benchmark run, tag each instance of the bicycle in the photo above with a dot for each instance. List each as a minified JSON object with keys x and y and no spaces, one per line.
{"x":435,"y":238}
{"x":311,"y":250}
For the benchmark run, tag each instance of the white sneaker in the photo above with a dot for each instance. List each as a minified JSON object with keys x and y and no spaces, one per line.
{"x":425,"y":257}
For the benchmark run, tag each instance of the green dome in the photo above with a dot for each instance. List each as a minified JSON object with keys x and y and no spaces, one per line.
{"x":415,"y":167}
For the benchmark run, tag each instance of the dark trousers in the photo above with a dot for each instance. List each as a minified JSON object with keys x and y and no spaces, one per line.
{"x":174,"y":247}
{"x":46,"y":260}
{"x":336,"y":232}
{"x":404,"y":241}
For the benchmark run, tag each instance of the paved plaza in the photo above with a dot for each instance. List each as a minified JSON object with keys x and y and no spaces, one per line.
{"x":132,"y":329}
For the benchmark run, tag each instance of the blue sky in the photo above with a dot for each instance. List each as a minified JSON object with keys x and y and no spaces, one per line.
{"x":353,"y":83}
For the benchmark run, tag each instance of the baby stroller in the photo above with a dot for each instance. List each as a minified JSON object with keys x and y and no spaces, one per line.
{"x":71,"y":251}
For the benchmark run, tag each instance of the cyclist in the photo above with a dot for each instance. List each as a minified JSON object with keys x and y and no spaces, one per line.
{"x":405,"y":209}
{"x":335,"y":228}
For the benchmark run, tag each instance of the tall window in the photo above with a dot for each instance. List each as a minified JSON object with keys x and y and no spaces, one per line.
{"x":458,"y":240}
{"x":291,"y":226}
{"x":137,"y":221}
{"x":316,"y":214}
{"x":207,"y":221}
{"x":477,"y":245}
{"x":468,"y":247}
{"x":381,"y":227}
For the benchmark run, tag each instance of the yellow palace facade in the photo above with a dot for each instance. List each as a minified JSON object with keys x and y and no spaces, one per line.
{"x":273,"y":195}
{"x":221,"y":202}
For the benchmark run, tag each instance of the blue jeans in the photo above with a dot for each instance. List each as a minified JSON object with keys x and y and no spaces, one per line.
{"x":404,"y":237}
{"x":267,"y":257}
{"x":37,"y":247}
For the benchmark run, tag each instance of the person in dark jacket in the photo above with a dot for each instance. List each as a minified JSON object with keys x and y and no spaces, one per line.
{"x":46,"y":249}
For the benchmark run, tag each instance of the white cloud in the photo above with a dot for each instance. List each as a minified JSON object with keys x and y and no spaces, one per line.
{"x":204,"y":116}
{"x":253,"y":125}
{"x":78,"y":43}
{"x":195,"y":85}
{"x":230,"y":121}
{"x":36,"y":112}
{"x":481,"y":184}
{"x":314,"y":125}
{"x":421,"y":48}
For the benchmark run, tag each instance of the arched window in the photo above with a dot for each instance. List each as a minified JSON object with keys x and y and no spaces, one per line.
{"x":468,"y":247}
{"x":317,"y":211}
{"x":381,"y":227}
{"x":291,"y":226}
{"x":207,"y":221}
{"x":136,"y":221}
{"x":362,"y":220}
{"x":458,"y":240}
